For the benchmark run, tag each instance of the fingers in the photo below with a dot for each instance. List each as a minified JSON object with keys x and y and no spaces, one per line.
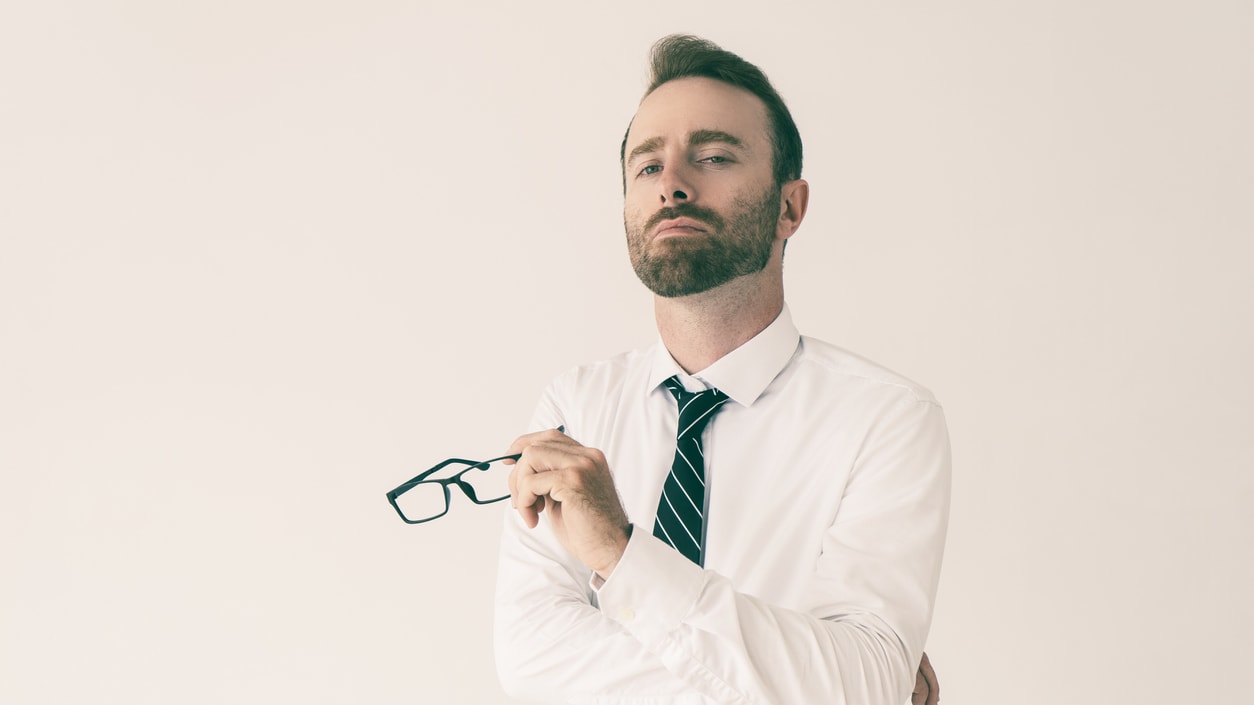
{"x":920,"y":694}
{"x":929,"y":676}
{"x":557,"y":469}
{"x":541,"y":452}
{"x":520,"y":444}
{"x":529,"y":508}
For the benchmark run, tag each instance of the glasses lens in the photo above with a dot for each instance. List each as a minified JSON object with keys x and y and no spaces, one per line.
{"x":490,"y":481}
{"x":426,"y":500}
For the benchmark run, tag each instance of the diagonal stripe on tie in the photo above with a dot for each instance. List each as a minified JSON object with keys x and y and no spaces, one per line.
{"x":680,"y":521}
{"x":688,"y":496}
{"x":675,"y":521}
{"x":695,"y":472}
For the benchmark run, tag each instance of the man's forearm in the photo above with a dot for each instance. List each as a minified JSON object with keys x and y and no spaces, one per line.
{"x":693,"y":633}
{"x":552,"y":643}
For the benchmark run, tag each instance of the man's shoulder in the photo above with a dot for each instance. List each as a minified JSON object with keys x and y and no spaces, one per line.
{"x":840,"y":366}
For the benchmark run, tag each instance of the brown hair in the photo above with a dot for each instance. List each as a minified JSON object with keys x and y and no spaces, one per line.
{"x":683,"y":56}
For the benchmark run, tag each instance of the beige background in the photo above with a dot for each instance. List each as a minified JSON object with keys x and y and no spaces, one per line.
{"x":261,"y":261}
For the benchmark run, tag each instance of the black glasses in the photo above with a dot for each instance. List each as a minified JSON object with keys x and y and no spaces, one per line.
{"x":422,"y":499}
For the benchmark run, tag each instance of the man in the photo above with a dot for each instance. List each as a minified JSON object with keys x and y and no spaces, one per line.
{"x":791,"y":552}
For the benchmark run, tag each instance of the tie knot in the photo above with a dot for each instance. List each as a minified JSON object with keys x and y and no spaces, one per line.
{"x":695,"y":408}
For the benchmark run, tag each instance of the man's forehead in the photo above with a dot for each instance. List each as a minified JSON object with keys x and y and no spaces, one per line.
{"x":698,"y":107}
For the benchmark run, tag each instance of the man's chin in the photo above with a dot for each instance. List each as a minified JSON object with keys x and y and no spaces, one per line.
{"x":677,"y":293}
{"x":691,"y":268}
{"x":673,"y":288}
{"x":678,"y":285}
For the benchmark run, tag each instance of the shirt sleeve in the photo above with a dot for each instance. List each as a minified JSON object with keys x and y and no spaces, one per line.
{"x":859,"y":641}
{"x":551,"y":641}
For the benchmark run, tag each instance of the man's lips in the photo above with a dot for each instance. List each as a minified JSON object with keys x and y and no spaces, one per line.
{"x":678,"y":226}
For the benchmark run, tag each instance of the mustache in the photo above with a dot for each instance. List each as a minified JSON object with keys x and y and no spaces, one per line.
{"x":700,"y":214}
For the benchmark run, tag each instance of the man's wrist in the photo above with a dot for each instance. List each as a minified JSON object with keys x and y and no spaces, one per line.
{"x":605,"y":571}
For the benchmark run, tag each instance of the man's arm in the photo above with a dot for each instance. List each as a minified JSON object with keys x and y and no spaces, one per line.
{"x":859,"y":641}
{"x":552,"y":643}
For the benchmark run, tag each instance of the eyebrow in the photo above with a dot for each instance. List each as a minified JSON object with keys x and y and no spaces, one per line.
{"x":696,"y":137}
{"x":650,"y":145}
{"x":708,"y":136}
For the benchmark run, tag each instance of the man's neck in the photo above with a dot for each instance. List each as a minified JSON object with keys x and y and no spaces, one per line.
{"x":700,"y":329}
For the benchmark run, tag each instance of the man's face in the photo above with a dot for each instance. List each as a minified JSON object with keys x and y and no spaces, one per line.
{"x":702,"y":205}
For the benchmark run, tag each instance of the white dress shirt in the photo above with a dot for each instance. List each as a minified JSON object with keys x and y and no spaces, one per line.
{"x":827,"y":501}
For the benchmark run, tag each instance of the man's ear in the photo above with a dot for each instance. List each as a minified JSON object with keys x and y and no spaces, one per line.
{"x":794,"y":198}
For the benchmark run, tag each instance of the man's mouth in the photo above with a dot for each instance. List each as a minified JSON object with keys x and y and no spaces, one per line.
{"x":678,"y":227}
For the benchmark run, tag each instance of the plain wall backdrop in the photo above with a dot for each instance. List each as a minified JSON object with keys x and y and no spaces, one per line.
{"x":262,"y":261}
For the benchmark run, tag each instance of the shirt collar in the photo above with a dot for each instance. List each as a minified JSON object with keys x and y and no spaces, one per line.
{"x":742,"y":374}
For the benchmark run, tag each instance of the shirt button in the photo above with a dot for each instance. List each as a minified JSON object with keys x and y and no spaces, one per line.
{"x":626,"y":614}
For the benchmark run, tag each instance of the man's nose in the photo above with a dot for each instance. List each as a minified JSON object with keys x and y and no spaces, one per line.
{"x":676,"y":186}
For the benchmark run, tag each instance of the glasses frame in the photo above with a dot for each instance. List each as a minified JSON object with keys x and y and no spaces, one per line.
{"x":444,"y":483}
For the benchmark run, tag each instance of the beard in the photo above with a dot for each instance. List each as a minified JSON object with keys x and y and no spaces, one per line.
{"x":734,"y":246}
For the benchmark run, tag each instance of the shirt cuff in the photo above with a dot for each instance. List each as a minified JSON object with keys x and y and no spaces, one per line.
{"x":652,"y":589}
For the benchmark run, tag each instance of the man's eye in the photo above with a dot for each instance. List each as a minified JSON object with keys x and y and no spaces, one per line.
{"x":650,"y":169}
{"x":715,"y":159}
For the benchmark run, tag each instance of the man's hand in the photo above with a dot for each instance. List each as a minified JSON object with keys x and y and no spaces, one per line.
{"x":926,"y":687}
{"x":573,"y":484}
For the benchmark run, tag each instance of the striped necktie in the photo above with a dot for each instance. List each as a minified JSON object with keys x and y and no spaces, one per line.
{"x":680,"y":512}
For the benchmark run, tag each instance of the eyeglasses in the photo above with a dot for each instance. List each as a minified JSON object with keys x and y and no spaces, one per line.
{"x":421,"y":499}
